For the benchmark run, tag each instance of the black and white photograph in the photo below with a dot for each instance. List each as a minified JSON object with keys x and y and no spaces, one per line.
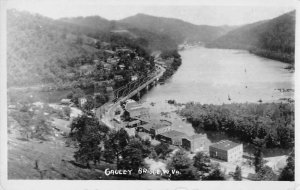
{"x":198,"y":92}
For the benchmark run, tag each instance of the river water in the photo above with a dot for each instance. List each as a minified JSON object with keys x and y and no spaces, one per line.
{"x":213,"y":76}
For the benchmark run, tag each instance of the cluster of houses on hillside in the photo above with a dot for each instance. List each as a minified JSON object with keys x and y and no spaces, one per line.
{"x":162,"y":131}
{"x":112,"y":68}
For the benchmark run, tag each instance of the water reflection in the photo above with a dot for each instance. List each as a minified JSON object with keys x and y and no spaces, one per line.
{"x":211,"y":76}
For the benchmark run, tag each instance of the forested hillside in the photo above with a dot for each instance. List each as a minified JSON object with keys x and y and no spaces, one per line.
{"x":94,"y":22}
{"x":38,"y":49}
{"x":273,"y":123}
{"x":273,"y":38}
{"x":43,"y":51}
{"x":97,"y":25}
{"x":175,"y":28}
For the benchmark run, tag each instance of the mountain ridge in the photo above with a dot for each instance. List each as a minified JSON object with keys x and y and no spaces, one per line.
{"x":273,"y":38}
{"x":178,"y":29}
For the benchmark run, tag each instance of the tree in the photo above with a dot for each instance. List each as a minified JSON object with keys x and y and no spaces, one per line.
{"x":100,"y":100}
{"x":89,"y":104}
{"x":90,"y":146}
{"x":285,"y":136}
{"x":202,"y":162}
{"x":265,"y":174}
{"x":126,"y":115}
{"x":115,"y":145}
{"x":270,"y":140}
{"x":79,"y":126}
{"x":215,"y":174}
{"x":258,"y":155}
{"x":184,"y":165}
{"x":162,"y":150}
{"x":237,"y":174}
{"x":273,"y":123}
{"x":132,"y":156}
{"x":75,"y":94}
{"x":67,"y":111}
{"x":90,"y":135}
{"x":288,"y":172}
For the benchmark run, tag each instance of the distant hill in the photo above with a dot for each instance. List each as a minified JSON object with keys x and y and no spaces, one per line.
{"x":98,"y":25}
{"x":95,"y":22}
{"x":177,"y":29}
{"x":273,"y":38}
{"x":38,"y":48}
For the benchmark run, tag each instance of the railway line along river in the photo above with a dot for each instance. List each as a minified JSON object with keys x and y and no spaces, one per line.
{"x":217,"y":76}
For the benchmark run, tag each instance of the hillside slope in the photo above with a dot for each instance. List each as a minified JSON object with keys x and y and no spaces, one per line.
{"x":95,"y":22}
{"x":42,"y":51}
{"x":175,"y":28}
{"x":40,"y":47}
{"x":273,"y":38}
{"x":98,"y":25}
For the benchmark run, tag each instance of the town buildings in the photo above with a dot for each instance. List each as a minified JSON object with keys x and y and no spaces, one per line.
{"x":154,"y":128}
{"x":136,"y":110}
{"x":144,"y":136}
{"x":172,"y":137}
{"x":82,"y":101}
{"x":226,"y":150}
{"x":196,"y":143}
{"x":66,"y":101}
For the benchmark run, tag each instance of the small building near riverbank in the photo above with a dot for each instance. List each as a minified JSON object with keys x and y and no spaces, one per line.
{"x":226,"y":150}
{"x":154,"y":128}
{"x":136,"y":110}
{"x":66,"y":101}
{"x":160,"y":128}
{"x":144,"y":136}
{"x":82,"y":101}
{"x":133,"y":123}
{"x":171,"y":137}
{"x":196,"y":143}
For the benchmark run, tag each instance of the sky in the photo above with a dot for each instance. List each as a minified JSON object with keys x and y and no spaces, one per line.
{"x":213,"y":12}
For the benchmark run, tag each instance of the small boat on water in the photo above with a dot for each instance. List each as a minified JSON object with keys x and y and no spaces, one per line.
{"x":229,"y":98}
{"x":260,"y":101}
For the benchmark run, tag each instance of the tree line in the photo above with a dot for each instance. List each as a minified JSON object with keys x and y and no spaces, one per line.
{"x":271,"y":122}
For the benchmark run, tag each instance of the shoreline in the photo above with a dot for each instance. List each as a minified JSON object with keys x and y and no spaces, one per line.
{"x":181,"y":123}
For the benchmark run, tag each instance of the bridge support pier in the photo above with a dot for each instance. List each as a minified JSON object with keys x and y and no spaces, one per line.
{"x":138,"y":95}
{"x":156,"y":81}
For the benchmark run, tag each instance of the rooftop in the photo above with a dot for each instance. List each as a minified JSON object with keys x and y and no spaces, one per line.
{"x":158,"y":126}
{"x":135,"y":108}
{"x":196,"y":136}
{"x":173,"y":134}
{"x":131,"y":105}
{"x":143,"y":134}
{"x":225,"y":145}
{"x":149,"y":126}
{"x":134,"y":122}
{"x":109,"y":51}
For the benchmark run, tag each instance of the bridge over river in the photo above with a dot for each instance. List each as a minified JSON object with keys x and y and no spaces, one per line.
{"x":106,"y":112}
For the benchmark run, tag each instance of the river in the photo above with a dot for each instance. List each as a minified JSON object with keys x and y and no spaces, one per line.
{"x":211,"y":76}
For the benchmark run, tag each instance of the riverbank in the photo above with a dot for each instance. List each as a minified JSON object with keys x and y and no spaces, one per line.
{"x":247,"y":122}
{"x":171,"y":62}
{"x":208,"y":76}
{"x":272,"y":55}
{"x":279,"y":56}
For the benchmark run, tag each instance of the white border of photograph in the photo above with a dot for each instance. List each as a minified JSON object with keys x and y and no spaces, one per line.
{"x":153,"y":185}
